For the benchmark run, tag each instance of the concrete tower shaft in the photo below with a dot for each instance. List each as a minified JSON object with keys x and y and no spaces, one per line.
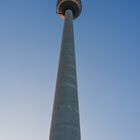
{"x":65,"y":123}
{"x":74,"y":5}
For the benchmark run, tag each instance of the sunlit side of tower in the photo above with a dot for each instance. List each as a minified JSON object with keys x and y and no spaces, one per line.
{"x":65,"y":124}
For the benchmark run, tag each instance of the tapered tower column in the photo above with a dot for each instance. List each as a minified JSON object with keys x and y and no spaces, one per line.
{"x":65,"y":123}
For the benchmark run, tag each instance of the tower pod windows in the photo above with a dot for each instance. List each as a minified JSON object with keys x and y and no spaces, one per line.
{"x":63,"y":5}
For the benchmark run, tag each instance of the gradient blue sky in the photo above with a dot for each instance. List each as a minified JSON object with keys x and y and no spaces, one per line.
{"x":107,"y":38}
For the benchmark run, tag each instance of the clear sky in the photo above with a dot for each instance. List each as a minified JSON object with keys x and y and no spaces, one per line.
{"x":107,"y":38}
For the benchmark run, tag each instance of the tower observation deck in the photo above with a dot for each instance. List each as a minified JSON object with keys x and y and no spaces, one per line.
{"x":65,"y":124}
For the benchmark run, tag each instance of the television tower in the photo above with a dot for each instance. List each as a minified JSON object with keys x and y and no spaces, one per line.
{"x":65,"y":124}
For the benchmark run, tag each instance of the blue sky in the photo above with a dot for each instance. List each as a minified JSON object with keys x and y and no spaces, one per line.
{"x":107,"y":38}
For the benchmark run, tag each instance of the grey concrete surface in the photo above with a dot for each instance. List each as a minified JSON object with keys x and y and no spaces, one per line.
{"x":65,"y":123}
